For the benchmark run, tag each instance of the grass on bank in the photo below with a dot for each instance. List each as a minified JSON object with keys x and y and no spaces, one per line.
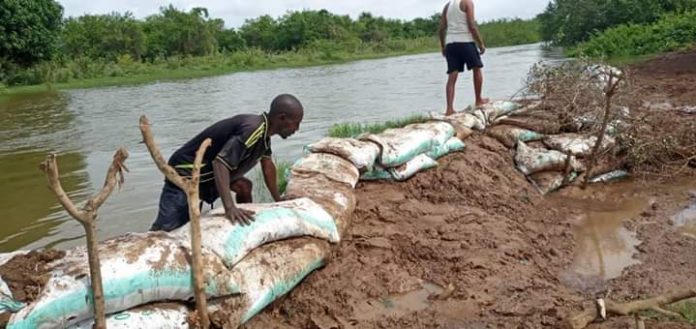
{"x":86,"y":73}
{"x":352,"y":130}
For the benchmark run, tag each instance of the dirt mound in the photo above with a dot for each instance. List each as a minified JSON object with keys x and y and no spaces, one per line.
{"x":26,"y":275}
{"x":670,"y":78}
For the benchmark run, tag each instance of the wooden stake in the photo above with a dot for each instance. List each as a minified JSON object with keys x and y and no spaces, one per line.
{"x":87,"y":216}
{"x":190,"y":186}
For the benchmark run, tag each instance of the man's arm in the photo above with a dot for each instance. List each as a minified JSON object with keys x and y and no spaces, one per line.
{"x":269,"y":176}
{"x":443,"y":29}
{"x":226,"y":161}
{"x":468,"y":7}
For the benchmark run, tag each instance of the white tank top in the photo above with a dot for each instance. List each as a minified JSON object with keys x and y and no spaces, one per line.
{"x":457,"y":26}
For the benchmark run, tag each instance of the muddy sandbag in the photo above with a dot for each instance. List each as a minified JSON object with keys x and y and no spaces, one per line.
{"x":442,"y":131}
{"x":578,"y":145}
{"x":8,"y":304}
{"x":136,"y":269}
{"x":533,"y":123}
{"x":400,"y":145}
{"x":610,"y":176}
{"x":462,"y":119}
{"x":329,"y":165}
{"x":267,"y":274}
{"x":362,"y":154}
{"x":155,"y":316}
{"x":510,"y":135}
{"x":272,"y":222}
{"x":497,"y":109}
{"x":454,"y":144}
{"x":530,"y":161}
{"x":336,"y":198}
{"x":402,"y":172}
{"x":549,"y":181}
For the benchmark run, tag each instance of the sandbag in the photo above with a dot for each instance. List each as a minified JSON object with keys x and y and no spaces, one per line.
{"x":510,"y":135}
{"x":155,"y":316}
{"x":462,"y":119}
{"x":577,"y":145}
{"x":498,"y":109}
{"x":400,"y":145}
{"x":442,"y":131}
{"x":549,"y":181}
{"x":267,"y":274}
{"x":272,"y":222}
{"x":610,"y":176}
{"x":530,"y":161}
{"x":329,"y":165}
{"x":336,"y":198}
{"x":362,"y":154}
{"x":454,"y":144}
{"x":136,"y":269}
{"x":7,"y":302}
{"x":403,"y":172}
{"x":409,"y":169}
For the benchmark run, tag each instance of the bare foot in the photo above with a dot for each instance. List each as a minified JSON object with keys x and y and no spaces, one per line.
{"x":449,"y":112}
{"x":482,"y":102}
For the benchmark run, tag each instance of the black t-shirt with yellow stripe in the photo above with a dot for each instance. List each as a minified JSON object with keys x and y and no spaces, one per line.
{"x":239,"y":142}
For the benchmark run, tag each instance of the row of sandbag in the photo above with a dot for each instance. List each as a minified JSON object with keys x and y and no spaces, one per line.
{"x":143,"y":268}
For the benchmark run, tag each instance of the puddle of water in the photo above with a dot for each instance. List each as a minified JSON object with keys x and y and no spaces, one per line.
{"x":397,"y":305}
{"x":686,"y":219}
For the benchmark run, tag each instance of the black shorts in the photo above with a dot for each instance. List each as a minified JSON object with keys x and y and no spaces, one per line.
{"x":460,"y":53}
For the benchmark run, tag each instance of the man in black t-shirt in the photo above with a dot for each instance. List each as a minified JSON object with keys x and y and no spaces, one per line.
{"x":238,"y":143}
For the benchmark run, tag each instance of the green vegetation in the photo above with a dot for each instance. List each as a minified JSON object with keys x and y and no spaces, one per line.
{"x":282,"y":170}
{"x":672,"y":32}
{"x":568,"y":22}
{"x":506,"y":32}
{"x":346,"y":130}
{"x":115,"y":48}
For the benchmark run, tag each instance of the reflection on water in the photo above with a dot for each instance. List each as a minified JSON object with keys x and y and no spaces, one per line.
{"x":87,"y":126}
{"x":397,"y":305}
{"x":686,"y":219}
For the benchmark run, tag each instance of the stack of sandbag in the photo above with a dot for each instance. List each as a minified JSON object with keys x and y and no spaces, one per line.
{"x":411,"y":149}
{"x":361,"y":154}
{"x":545,"y":168}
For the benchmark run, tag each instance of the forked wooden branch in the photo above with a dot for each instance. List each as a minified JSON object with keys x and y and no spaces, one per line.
{"x":190,"y":186}
{"x":587,"y":316}
{"x":87,"y":216}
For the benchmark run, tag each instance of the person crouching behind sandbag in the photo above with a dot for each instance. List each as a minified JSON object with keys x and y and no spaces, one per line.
{"x":238,"y":143}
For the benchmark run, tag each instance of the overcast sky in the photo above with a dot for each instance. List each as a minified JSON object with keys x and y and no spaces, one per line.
{"x":234,"y":12}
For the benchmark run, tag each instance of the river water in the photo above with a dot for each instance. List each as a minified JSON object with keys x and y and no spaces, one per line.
{"x":86,"y":126}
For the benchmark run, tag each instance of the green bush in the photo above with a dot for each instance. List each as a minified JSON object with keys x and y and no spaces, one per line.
{"x":672,"y":32}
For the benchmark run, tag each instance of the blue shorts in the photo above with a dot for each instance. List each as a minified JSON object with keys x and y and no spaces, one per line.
{"x":173,"y":209}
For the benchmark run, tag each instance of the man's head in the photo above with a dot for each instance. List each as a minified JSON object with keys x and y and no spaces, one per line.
{"x":285,"y":115}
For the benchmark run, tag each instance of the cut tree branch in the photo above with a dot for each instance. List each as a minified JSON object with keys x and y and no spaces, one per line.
{"x":87,"y":216}
{"x":590,"y":314}
{"x":190,"y":187}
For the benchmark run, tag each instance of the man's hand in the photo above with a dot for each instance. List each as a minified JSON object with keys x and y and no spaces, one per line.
{"x":482,"y":49}
{"x":443,"y":51}
{"x":239,"y":216}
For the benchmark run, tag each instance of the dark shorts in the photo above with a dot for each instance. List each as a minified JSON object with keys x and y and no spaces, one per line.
{"x":173,"y":209}
{"x":460,"y":53}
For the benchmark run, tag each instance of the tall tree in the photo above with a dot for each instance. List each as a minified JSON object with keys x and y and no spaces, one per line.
{"x":29,"y":30}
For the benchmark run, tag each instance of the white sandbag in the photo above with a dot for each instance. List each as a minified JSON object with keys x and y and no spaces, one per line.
{"x":156,"y":316}
{"x":610,"y":176}
{"x":497,"y":109}
{"x":549,"y":181}
{"x":337,"y":199}
{"x":362,"y":154}
{"x":267,"y":274}
{"x":7,"y":302}
{"x":509,"y":135}
{"x":454,"y":144}
{"x":136,"y":269}
{"x":377,"y":173}
{"x":272,"y":222}
{"x":463,"y":119}
{"x":409,"y":169}
{"x":400,"y":145}
{"x":329,"y":165}
{"x":530,"y":160}
{"x":577,"y":145}
{"x":442,"y":131}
